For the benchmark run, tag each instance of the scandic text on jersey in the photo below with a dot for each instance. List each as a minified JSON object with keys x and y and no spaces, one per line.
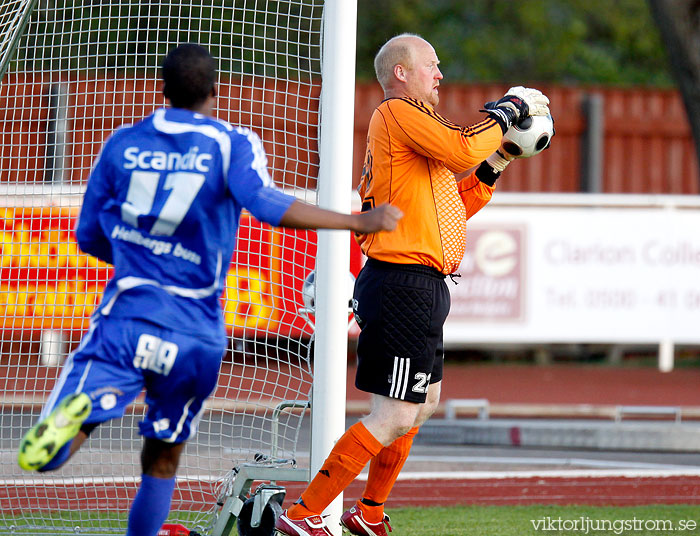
{"x":160,"y":160}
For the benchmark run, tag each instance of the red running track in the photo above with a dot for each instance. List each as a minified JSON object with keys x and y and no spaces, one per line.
{"x":610,"y":491}
{"x":594,"y":490}
{"x":506,"y":384}
{"x":565,"y":384}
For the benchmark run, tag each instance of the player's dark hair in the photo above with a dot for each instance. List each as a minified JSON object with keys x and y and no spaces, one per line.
{"x":189,"y":75}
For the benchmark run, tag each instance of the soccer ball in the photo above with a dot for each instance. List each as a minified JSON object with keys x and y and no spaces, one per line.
{"x":529,"y":137}
{"x":308,"y":290}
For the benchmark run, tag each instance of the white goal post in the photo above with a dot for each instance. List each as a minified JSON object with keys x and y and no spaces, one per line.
{"x":72,"y":73}
{"x":335,"y":185}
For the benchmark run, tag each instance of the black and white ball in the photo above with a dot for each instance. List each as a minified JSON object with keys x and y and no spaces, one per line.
{"x":308,"y":290}
{"x":529,"y":137}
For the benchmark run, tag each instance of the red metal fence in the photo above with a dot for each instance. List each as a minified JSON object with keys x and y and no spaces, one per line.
{"x":647,"y":143}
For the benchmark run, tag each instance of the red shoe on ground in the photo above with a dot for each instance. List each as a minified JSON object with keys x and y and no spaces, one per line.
{"x":353,"y":521}
{"x":309,"y":526}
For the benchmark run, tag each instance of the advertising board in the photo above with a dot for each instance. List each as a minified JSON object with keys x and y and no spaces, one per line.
{"x":578,"y":274}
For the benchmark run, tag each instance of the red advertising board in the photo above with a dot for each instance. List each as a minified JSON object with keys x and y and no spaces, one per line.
{"x":47,"y":283}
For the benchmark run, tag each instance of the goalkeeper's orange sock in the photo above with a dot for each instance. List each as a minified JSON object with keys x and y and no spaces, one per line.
{"x":349,"y":456}
{"x":384,"y":469}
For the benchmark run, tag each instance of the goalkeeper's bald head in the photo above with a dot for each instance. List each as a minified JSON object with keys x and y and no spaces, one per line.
{"x":398,"y":50}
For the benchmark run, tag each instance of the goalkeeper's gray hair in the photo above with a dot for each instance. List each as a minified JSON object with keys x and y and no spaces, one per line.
{"x":396,"y":51}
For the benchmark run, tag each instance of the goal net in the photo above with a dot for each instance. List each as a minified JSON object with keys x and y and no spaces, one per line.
{"x":73,"y":72}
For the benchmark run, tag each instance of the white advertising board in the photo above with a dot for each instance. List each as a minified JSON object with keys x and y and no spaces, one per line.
{"x":548,"y":274}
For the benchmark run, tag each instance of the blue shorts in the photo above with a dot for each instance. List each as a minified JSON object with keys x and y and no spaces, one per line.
{"x":117,"y":358}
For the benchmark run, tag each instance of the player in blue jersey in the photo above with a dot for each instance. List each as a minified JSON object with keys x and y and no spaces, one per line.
{"x":162,"y":206}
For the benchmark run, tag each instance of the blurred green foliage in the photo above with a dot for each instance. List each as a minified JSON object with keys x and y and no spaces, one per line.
{"x":272,"y":38}
{"x":557,"y":41}
{"x":523,"y":41}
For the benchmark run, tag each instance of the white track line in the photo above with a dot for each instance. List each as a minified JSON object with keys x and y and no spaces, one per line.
{"x":514,"y":460}
{"x":570,"y":473}
{"x":435,"y":475}
{"x":96,"y":480}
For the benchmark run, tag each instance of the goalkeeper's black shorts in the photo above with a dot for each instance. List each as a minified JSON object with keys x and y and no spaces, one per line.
{"x":401,"y":309}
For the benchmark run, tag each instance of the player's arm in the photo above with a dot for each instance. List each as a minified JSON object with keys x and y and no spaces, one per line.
{"x":301,"y":215}
{"x":88,"y":231}
{"x":252,"y":187}
{"x":460,"y":148}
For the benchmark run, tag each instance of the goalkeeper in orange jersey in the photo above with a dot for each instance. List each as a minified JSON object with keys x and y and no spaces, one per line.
{"x":401,"y":299}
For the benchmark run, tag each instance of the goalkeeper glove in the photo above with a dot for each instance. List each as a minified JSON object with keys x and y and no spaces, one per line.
{"x":491,"y":168}
{"x":518,"y":103}
{"x":500,"y":159}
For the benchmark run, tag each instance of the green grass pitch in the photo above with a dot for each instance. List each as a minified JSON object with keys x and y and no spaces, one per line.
{"x":654,"y":520}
